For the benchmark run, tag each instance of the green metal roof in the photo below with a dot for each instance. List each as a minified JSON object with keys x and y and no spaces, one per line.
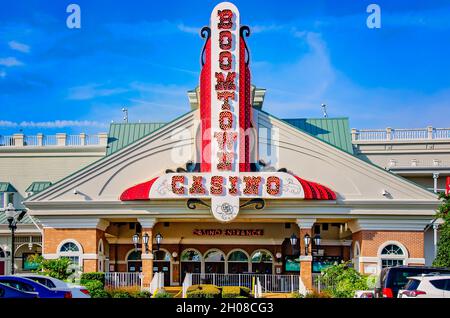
{"x":122,"y":134}
{"x":335,"y":131}
{"x":38,"y":186}
{"x":26,"y":219}
{"x":7,"y":187}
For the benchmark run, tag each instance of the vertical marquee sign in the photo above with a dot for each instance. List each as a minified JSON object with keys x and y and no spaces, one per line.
{"x":225,"y":176}
{"x":224,"y":131}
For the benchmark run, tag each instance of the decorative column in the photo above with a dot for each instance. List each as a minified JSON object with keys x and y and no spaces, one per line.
{"x":435,"y":181}
{"x":147,"y":225}
{"x":305,"y":226}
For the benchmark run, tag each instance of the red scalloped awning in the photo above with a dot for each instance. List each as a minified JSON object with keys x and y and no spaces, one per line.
{"x":138,"y":192}
{"x":315,"y":191}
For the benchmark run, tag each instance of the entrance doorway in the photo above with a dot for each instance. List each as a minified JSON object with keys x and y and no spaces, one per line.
{"x":161,"y":263}
{"x":262,"y":262}
{"x":215,"y":262}
{"x":237,"y":262}
{"x":134,"y":261}
{"x":191,"y":262}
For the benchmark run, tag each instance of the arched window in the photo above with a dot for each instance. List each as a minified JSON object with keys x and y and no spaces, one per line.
{"x":191,"y":256}
{"x":134,"y":261}
{"x":237,"y":262}
{"x":71,"y":250}
{"x":215,"y":262}
{"x":262,"y":262}
{"x":190,"y":262}
{"x":161,"y":256}
{"x":392,"y":255}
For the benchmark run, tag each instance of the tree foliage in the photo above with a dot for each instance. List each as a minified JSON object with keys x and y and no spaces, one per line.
{"x":443,"y":253}
{"x":58,"y":268}
{"x":343,"y":280}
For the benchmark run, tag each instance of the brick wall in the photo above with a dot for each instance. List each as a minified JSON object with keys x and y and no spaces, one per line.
{"x":370,"y":241}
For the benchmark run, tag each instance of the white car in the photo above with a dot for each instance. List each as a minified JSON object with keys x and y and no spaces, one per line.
{"x":426,"y":286}
{"x":54,"y":283}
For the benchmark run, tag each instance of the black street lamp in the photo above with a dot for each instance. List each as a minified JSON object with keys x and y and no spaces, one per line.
{"x":158,"y":238}
{"x":293,"y":240}
{"x":13,"y":216}
{"x":307,"y":241}
{"x":145,"y":239}
{"x":136,"y":240}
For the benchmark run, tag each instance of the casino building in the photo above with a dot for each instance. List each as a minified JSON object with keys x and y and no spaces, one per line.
{"x":228,"y":188}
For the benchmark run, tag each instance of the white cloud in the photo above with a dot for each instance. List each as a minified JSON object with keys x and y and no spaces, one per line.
{"x":10,"y":61}
{"x":21,"y":47}
{"x":52,"y":124}
{"x":188,"y":29}
{"x":90,"y":91}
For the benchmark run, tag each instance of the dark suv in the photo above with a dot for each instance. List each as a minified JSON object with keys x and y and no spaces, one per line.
{"x":392,"y":279}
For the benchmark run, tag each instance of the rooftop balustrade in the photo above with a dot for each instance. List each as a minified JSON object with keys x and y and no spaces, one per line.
{"x":58,"y":140}
{"x":391,"y":134}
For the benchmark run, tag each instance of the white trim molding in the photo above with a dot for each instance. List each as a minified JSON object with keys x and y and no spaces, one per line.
{"x":388,"y":224}
{"x":306,"y":223}
{"x":81,"y":222}
{"x":147,"y":223}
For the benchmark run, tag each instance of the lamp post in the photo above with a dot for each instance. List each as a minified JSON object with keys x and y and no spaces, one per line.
{"x":136,"y":240}
{"x":293,"y":240}
{"x":158,"y":238}
{"x":145,"y":239}
{"x":13,"y":216}
{"x":307,"y":241}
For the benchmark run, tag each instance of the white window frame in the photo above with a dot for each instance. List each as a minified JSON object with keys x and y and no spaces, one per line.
{"x":78,"y":254}
{"x":382,"y":257}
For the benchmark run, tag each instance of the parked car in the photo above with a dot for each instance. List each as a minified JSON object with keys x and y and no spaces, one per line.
{"x":57,"y":284}
{"x":426,"y":286}
{"x":392,"y":279}
{"x":28,"y":285}
{"x":364,"y":294}
{"x":10,"y":292}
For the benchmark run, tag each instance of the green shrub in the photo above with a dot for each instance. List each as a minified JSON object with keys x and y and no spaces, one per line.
{"x":344,"y":281}
{"x":141,"y":294}
{"x":296,"y":295}
{"x":163,"y":295}
{"x":96,"y":289}
{"x":121,"y":294}
{"x":204,"y":291}
{"x":235,"y":292}
{"x":56,"y":268}
{"x":93,"y":276}
{"x":315,"y":294}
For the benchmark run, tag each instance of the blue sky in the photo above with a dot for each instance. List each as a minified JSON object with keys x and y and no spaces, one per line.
{"x":145,"y":55}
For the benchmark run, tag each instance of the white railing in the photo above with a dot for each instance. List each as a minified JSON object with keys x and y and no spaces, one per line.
{"x":391,"y":134}
{"x":321,"y":283}
{"x":123,"y":279}
{"x":187,"y":282}
{"x":6,"y":141}
{"x":257,"y":289}
{"x":49,"y":140}
{"x":73,"y":140}
{"x":418,"y":163}
{"x":39,"y":140}
{"x":270,"y":283}
{"x":301,"y":287}
{"x":157,"y":282}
